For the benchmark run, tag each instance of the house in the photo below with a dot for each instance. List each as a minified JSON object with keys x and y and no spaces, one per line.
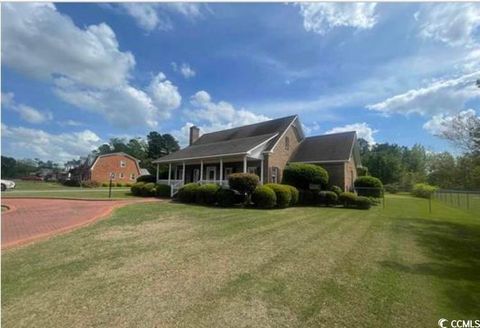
{"x":264,"y":149}
{"x":119,"y":167}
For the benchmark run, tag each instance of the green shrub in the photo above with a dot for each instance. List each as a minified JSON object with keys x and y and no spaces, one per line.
{"x":90,"y":184}
{"x":244,"y":183}
{"x":128,"y":184}
{"x":336,"y":189}
{"x":207,"y":194}
{"x":327,"y":198}
{"x":423,"y":190}
{"x":146,"y":178}
{"x":188,"y":193}
{"x":368,"y":182}
{"x":148,"y":190}
{"x":119,"y":184}
{"x":283,"y":194}
{"x":362,"y":171}
{"x":226,"y":197}
{"x":294,"y":195}
{"x":264,"y":197}
{"x":363,"y":203}
{"x":163,"y":190}
{"x":392,"y":188}
{"x":302,"y":175}
{"x":136,"y":188}
{"x":71,"y":183}
{"x":347,"y":199}
{"x":306,"y":197}
{"x":105,"y":184}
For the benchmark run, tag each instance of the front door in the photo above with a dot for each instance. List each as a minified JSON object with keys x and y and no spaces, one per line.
{"x":196,"y":175}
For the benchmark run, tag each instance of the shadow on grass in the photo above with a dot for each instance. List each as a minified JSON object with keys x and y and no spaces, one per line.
{"x":454,"y":249}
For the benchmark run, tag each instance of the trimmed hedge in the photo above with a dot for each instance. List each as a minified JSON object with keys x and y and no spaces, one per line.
{"x":90,"y":184}
{"x":226,"y":197}
{"x":264,"y":197}
{"x":363,"y":203}
{"x":244,"y":183}
{"x":146,"y":178}
{"x":148,"y":190}
{"x":188,"y":193}
{"x":302,"y":175}
{"x":106,"y":184}
{"x":283,"y":194}
{"x":392,"y":188}
{"x":368,"y":182}
{"x":207,"y":194}
{"x":347,"y":199}
{"x":327,"y":198}
{"x":294,"y":195}
{"x":135,"y":189}
{"x":71,"y":183}
{"x":423,"y":190}
{"x":163,"y":190}
{"x":336,"y":189}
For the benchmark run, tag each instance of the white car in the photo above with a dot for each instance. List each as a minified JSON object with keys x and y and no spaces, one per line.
{"x":7,"y":184}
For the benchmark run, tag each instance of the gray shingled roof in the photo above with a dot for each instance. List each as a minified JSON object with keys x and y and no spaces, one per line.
{"x":225,"y":147}
{"x":325,"y":148}
{"x":263,"y":128}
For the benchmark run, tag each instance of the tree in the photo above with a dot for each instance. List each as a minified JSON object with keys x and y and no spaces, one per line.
{"x":463,"y":130}
{"x":160,"y":145}
{"x":442,"y":171}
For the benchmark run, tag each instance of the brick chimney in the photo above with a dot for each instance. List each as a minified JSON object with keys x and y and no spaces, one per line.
{"x":194,"y":134}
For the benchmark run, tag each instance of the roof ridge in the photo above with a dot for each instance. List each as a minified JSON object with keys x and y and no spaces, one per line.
{"x":248,"y":125}
{"x":331,"y":134}
{"x":233,"y":140}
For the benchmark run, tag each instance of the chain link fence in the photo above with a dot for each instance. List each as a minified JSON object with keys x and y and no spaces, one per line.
{"x":465,"y":199}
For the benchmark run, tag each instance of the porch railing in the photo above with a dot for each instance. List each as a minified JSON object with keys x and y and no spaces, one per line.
{"x":176,"y":184}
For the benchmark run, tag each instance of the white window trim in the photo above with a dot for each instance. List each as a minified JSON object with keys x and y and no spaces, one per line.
{"x":132,"y":176}
{"x":121,"y":175}
{"x":112,"y":175}
{"x":252,"y":168}
{"x":123,"y":163}
{"x":209,"y":169}
{"x":226,"y":173}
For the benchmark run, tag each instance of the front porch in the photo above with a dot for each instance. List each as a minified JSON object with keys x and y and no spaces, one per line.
{"x":210,"y":170}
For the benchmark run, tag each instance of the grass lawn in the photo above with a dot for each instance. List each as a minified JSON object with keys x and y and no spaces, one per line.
{"x":174,"y":265}
{"x":56,"y":190}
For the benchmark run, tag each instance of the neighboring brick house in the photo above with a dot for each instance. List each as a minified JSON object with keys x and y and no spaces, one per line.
{"x":264,"y":149}
{"x":120,"y":166}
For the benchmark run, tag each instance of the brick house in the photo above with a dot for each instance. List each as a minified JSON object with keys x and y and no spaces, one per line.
{"x":121,"y":167}
{"x":264,"y":149}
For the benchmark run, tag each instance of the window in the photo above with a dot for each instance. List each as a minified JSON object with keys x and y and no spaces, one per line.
{"x":228,"y":171}
{"x":123,"y":163}
{"x":111,"y":175}
{"x":252,"y":169}
{"x":121,"y":175}
{"x":196,"y":175}
{"x":211,"y":173}
{"x":132,"y":176}
{"x":287,"y":143}
{"x":275,"y":174}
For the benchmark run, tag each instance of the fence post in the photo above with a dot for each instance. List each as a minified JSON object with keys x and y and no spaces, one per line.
{"x":468,"y":201}
{"x":458,"y":199}
{"x":430,"y":205}
{"x":383,"y":196}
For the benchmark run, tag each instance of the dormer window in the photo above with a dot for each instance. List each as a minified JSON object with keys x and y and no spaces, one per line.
{"x":287,"y":143}
{"x":123,"y":163}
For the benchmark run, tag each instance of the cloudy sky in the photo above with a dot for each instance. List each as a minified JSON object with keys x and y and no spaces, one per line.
{"x":75,"y":75}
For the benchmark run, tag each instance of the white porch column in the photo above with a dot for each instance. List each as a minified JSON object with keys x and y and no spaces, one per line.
{"x":201,"y":170}
{"x":169,"y":172}
{"x":183,"y":173}
{"x":158,"y":169}
{"x":245,"y":164}
{"x":261,"y":171}
{"x":221,"y":171}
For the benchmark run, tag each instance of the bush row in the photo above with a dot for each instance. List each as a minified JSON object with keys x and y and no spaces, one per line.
{"x":94,"y":184}
{"x":330,"y":198}
{"x":150,"y":189}
{"x":423,"y":190}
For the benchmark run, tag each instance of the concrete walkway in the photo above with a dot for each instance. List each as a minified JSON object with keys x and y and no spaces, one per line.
{"x":29,"y":220}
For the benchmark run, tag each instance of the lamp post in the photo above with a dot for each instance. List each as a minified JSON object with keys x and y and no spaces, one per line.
{"x":112,"y":175}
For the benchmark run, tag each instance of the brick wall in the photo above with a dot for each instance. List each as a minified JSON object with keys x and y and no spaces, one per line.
{"x":350,"y":174}
{"x":106,"y":165}
{"x":281,"y":155}
{"x":336,"y":174}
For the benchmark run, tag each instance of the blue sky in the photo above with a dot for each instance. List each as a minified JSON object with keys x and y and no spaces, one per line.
{"x":75,"y":75}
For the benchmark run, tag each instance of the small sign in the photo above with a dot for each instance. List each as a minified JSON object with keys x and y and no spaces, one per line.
{"x":314,"y":186}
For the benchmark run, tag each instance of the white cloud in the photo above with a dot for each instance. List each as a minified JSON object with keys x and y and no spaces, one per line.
{"x":212,"y":116}
{"x":29,"y":143}
{"x":451,"y":23}
{"x":443,"y":96}
{"x":363,"y":131}
{"x":310,"y":128}
{"x":184,"y":69}
{"x":39,"y":41}
{"x":85,"y":65}
{"x":322,"y":17}
{"x":438,"y":123}
{"x":27,"y":113}
{"x":151,"y":16}
{"x":164,"y":94}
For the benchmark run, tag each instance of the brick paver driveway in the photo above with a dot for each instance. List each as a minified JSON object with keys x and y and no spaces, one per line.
{"x":32,"y":219}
